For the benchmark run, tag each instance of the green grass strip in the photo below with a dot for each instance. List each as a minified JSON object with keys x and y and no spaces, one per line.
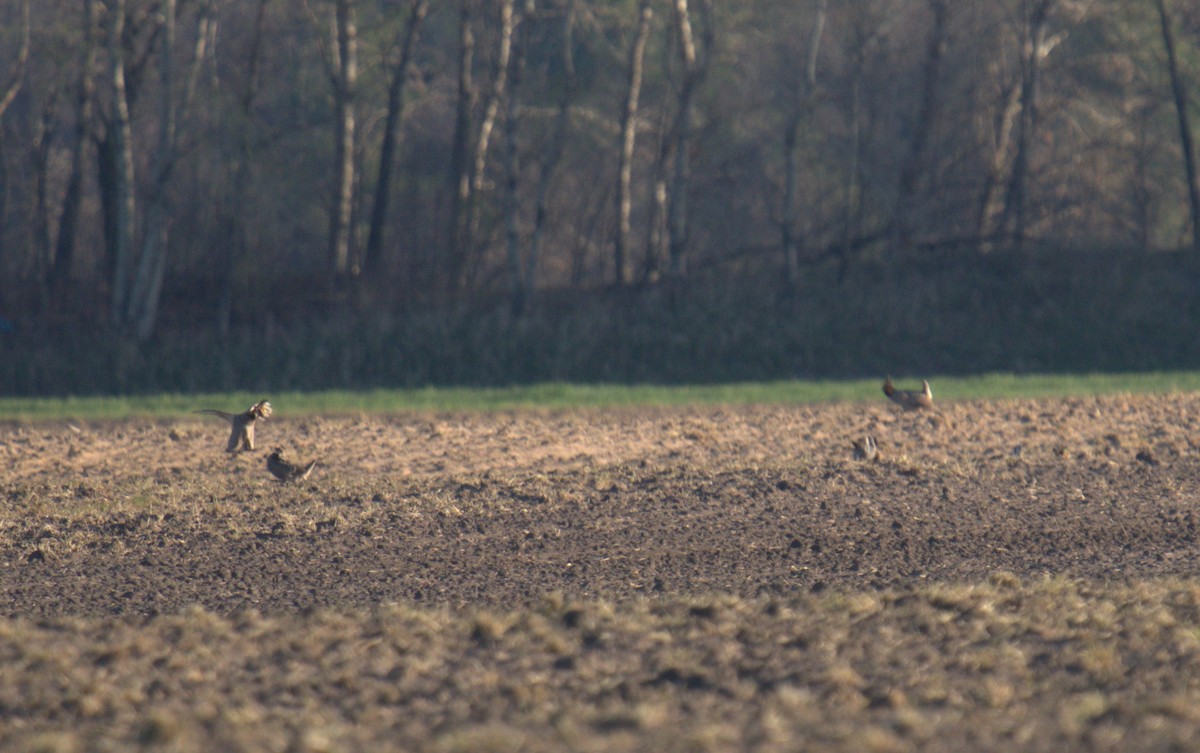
{"x":560,"y":395}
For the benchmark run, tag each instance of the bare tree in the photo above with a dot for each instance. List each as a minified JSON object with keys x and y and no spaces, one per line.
{"x":68,"y":222}
{"x":138,"y":278}
{"x":233,"y":219}
{"x":1179,"y":95}
{"x":13,"y":86}
{"x":133,"y":42}
{"x":518,"y":290}
{"x":343,"y":75}
{"x":868,"y":33}
{"x":471,"y":145}
{"x":460,"y":174}
{"x":1035,"y":49}
{"x":548,"y":184}
{"x":554,"y":150}
{"x":402,"y":53}
{"x":695,"y":60}
{"x":120,"y":139}
{"x":991,"y":206}
{"x":629,"y":120}
{"x":8,"y":92}
{"x":40,"y":148}
{"x":142,"y":304}
{"x":491,"y":109}
{"x":901,"y":223}
{"x":1003,"y":207}
{"x":802,"y":102}
{"x":495,"y":96}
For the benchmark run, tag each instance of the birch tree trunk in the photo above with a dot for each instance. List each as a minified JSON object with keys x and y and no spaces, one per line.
{"x":13,"y":86}
{"x":1002,"y":210}
{"x":142,"y":305}
{"x":469,"y":151}
{"x":695,"y":65}
{"x":491,"y":109}
{"x":657,"y":234}
{"x":629,"y":120}
{"x":991,"y":206}
{"x":495,"y":94}
{"x":146,"y":294}
{"x":344,"y":76}
{"x":1035,"y":47}
{"x":139,"y":279}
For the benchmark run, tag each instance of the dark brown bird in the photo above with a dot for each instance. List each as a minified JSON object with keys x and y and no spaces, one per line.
{"x":865,"y":448}
{"x":909,"y":399}
{"x":241,"y":437}
{"x":282,"y":467}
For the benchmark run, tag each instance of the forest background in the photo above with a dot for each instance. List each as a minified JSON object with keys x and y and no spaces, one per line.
{"x":308,"y":194}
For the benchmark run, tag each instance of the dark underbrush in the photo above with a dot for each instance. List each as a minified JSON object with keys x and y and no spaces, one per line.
{"x":932,"y":314}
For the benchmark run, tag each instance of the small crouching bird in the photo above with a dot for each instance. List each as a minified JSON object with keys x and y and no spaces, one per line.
{"x":909,"y":399}
{"x":865,"y":448}
{"x":282,"y":467}
{"x":241,"y":437}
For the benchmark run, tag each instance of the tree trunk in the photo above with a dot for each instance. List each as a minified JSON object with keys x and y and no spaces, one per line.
{"x":233,"y":225}
{"x":991,"y":206}
{"x":695,"y":65}
{"x":40,"y":150}
{"x":1002,"y":208}
{"x":373,"y":257}
{"x":17,"y":78}
{"x":460,"y":174}
{"x":68,"y":223}
{"x":142,"y":308}
{"x":491,"y":108}
{"x":852,"y":207}
{"x":555,"y":150}
{"x":1179,"y":94}
{"x":512,"y":172}
{"x":495,"y":94}
{"x":629,"y":117}
{"x":657,"y":235}
{"x":143,"y":314}
{"x":1016,"y":199}
{"x":344,"y":75}
{"x":7,"y":95}
{"x":901,"y":224}
{"x":803,"y":102}
{"x":141,"y":277}
{"x":123,"y":205}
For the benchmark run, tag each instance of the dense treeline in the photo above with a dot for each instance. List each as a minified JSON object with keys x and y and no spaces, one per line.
{"x":215,"y":167}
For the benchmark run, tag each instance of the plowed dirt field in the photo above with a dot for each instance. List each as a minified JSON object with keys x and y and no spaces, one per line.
{"x":1007,"y":575}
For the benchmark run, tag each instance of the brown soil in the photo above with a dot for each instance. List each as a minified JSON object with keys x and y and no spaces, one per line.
{"x":756,"y":510}
{"x":501,"y":509}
